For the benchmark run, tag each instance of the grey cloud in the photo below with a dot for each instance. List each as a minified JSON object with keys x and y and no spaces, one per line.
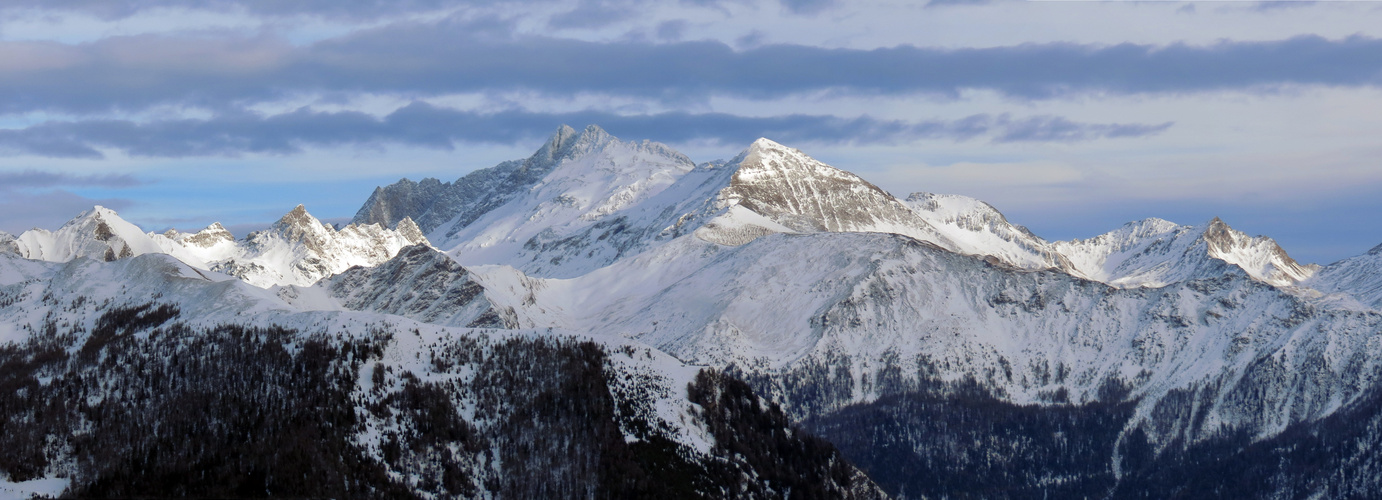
{"x":1275,"y":5}
{"x":423,"y":125}
{"x":591,"y":14}
{"x":347,"y":9}
{"x":41,"y":179}
{"x":671,"y":30}
{"x":441,"y":58}
{"x":1058,"y":129}
{"x":807,"y":6}
{"x":950,"y":3}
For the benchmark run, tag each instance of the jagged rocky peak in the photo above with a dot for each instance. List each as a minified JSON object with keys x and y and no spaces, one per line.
{"x":299,"y":218}
{"x":299,"y":226}
{"x":768,"y":162}
{"x":388,"y":204}
{"x":595,"y":149}
{"x":8,"y":243}
{"x":210,"y":236}
{"x":410,"y":232}
{"x":433,"y":204}
{"x":556,"y":144}
{"x":1260,"y":256}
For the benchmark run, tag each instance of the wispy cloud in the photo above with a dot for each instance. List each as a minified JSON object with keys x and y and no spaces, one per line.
{"x":40,"y":179}
{"x":350,"y":9}
{"x":424,"y":125}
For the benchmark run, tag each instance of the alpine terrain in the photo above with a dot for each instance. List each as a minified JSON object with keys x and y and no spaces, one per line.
{"x":612,"y":319}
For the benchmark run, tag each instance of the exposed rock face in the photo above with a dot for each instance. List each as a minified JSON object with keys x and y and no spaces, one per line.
{"x":389,"y":204}
{"x":410,"y":231}
{"x":211,"y":236}
{"x":432,"y":203}
{"x":438,"y":290}
{"x":8,"y":243}
{"x":803,"y":195}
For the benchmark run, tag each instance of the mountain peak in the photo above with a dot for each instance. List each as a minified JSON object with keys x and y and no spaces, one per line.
{"x":556,"y":144}
{"x":98,"y":233}
{"x":297,"y":217}
{"x":209,"y":237}
{"x":594,"y":131}
{"x":568,"y":144}
{"x":97,"y":213}
{"x":764,"y":142}
{"x":410,"y":231}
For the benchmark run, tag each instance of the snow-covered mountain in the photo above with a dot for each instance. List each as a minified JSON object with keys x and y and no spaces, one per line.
{"x":588,"y":199}
{"x":299,"y":249}
{"x":976,"y":228}
{"x":296,"y":250}
{"x":581,"y":202}
{"x":1155,"y":252}
{"x":932,"y":335}
{"x":1359,"y":277}
{"x":96,"y":234}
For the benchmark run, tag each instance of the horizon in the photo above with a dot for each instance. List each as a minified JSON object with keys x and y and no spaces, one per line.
{"x":1071,"y":118}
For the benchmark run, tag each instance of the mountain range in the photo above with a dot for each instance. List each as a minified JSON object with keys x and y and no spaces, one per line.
{"x":610,"y":318}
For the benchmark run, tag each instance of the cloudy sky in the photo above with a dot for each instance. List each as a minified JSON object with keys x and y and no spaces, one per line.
{"x":1070,"y":117}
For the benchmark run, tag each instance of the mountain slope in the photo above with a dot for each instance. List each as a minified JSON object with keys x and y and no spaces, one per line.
{"x":438,"y":291}
{"x":1359,"y":277}
{"x":976,"y":228}
{"x":145,"y":376}
{"x":784,"y":304}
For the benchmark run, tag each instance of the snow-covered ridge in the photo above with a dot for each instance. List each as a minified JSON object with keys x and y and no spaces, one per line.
{"x":1359,"y":277}
{"x":297,"y":250}
{"x":977,"y":228}
{"x":1155,"y":252}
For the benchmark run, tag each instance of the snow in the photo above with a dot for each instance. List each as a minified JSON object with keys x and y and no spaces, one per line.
{"x":23,"y":490}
